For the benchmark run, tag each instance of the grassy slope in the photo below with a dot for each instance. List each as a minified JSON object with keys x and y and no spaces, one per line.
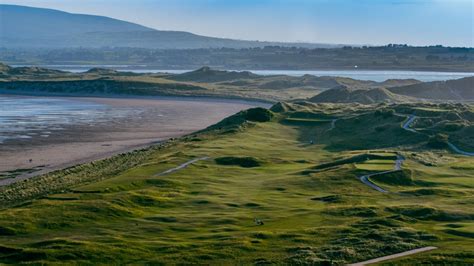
{"x":204,"y":213}
{"x":459,"y":89}
{"x":144,"y":85}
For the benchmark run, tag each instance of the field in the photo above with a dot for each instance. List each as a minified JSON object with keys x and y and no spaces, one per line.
{"x":264,"y":187}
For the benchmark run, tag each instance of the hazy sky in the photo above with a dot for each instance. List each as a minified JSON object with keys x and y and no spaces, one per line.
{"x":416,"y":22}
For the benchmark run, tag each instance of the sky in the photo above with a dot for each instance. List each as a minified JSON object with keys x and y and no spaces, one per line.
{"x":374,"y":22}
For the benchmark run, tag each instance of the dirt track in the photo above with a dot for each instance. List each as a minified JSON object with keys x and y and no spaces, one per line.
{"x":394,"y":256}
{"x":397,"y":167}
{"x":181,"y":166}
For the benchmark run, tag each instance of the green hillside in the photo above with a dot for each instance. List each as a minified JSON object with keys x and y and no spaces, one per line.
{"x":260,"y":187}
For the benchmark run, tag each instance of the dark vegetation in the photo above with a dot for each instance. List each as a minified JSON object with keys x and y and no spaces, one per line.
{"x":247,"y":162}
{"x":429,"y":213}
{"x":242,"y":119}
{"x":100,"y":87}
{"x":257,"y":114}
{"x":397,"y":178}
{"x":395,"y":57}
{"x":438,"y":141}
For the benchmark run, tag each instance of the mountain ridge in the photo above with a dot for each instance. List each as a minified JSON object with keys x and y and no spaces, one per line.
{"x":59,"y":29}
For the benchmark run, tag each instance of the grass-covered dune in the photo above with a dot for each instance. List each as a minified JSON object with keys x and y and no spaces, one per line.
{"x":284,"y":209}
{"x":343,"y":94}
{"x":459,"y":89}
{"x":204,"y":81}
{"x":209,"y":82}
{"x":102,"y":87}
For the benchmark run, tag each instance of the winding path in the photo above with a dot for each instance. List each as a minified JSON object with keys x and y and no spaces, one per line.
{"x":333,"y":125}
{"x":412,"y":118}
{"x":397,"y":167}
{"x":393,"y":256}
{"x":408,"y":122}
{"x":457,"y":150}
{"x":181,"y":166}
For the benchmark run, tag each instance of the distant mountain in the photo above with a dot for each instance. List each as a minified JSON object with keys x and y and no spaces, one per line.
{"x":455,"y":90}
{"x":343,"y":94}
{"x":29,"y":27}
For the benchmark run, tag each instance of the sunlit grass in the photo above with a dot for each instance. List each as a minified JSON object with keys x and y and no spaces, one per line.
{"x":121,"y":211}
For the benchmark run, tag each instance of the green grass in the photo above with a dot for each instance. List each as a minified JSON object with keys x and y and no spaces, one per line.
{"x":308,"y":121}
{"x":119,"y":211}
{"x":376,"y":165}
{"x":362,"y":161}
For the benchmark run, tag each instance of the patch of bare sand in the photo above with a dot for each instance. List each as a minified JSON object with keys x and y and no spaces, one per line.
{"x":154,"y":120}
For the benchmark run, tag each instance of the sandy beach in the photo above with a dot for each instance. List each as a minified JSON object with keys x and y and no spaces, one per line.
{"x":150,"y":121}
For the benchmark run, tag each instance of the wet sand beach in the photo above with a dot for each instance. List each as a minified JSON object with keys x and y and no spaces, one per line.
{"x":147,"y":121}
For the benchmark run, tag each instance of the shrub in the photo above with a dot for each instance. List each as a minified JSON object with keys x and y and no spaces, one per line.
{"x":397,"y":178}
{"x":257,"y":114}
{"x":453,"y":126}
{"x":240,"y":161}
{"x":429,"y":213}
{"x":438,"y":141}
{"x":385,"y":113}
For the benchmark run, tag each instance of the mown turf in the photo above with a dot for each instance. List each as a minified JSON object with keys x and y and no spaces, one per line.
{"x":120,"y":211}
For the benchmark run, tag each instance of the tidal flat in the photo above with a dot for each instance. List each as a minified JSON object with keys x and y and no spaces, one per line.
{"x":41,"y":134}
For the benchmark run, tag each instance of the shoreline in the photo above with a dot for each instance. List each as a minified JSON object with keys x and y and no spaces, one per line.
{"x":95,"y":157}
{"x":124,"y":67}
{"x":204,"y":98}
{"x":152,"y":120}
